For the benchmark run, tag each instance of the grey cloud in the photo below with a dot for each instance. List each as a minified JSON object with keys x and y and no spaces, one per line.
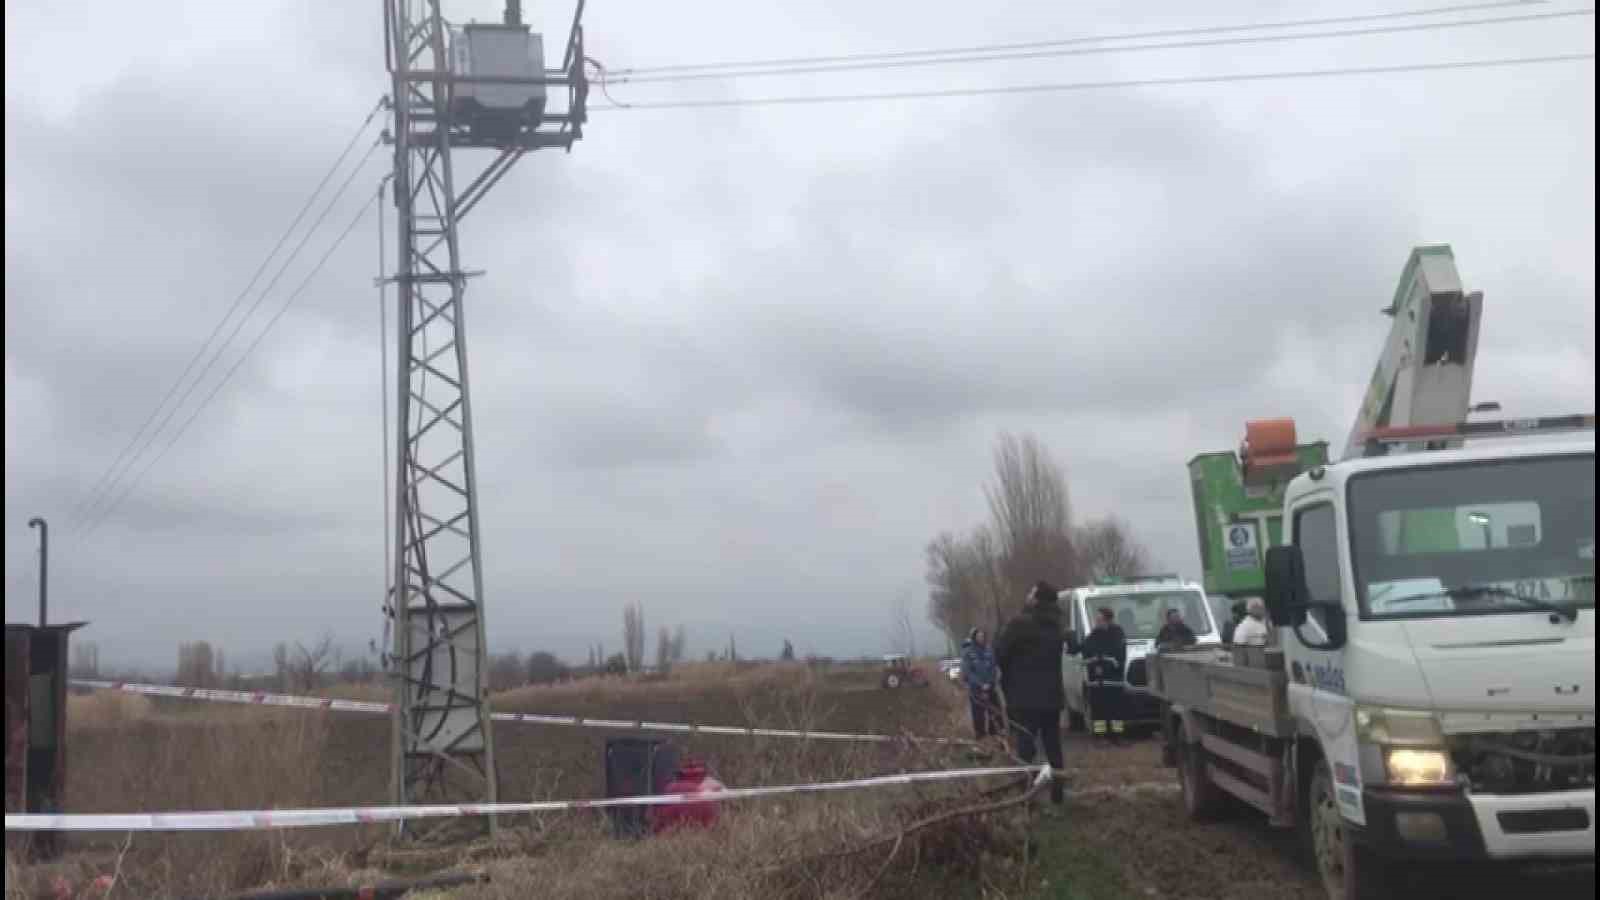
{"x":740,"y":365}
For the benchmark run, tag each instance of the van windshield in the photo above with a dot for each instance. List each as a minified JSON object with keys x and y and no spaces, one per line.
{"x":1142,"y":615}
{"x":1492,"y":537}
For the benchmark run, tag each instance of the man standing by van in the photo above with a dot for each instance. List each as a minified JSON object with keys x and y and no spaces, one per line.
{"x":1105,"y":654}
{"x":1028,"y":651}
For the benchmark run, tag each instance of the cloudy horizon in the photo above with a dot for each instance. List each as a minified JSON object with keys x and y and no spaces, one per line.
{"x":742,"y":364}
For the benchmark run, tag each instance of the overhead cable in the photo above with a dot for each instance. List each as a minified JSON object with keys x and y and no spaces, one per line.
{"x":618,"y":77}
{"x":115,"y":472}
{"x":1082,"y":39}
{"x":255,"y":342}
{"x":1061,"y":87}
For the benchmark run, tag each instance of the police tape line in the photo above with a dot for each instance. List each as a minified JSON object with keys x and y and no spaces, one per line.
{"x":267,"y":819}
{"x":263,"y":698}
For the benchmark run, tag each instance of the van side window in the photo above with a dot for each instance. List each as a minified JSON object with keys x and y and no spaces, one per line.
{"x":1316,"y":534}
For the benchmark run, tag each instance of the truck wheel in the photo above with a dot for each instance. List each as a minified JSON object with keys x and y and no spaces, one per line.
{"x":1202,"y":800}
{"x":891,"y":680}
{"x":1348,"y":871}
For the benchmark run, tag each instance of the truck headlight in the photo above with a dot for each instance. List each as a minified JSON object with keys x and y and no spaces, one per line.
{"x":1398,"y":727}
{"x":1402,"y":747}
{"x":1417,"y":767}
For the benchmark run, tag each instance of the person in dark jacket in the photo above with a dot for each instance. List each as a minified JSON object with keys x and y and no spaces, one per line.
{"x":978,"y":672}
{"x":1176,"y":634}
{"x":1239,"y":612}
{"x":1029,"y":653}
{"x":1105,"y":654}
{"x":1107,"y":640}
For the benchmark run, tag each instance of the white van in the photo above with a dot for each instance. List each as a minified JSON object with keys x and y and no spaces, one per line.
{"x":1140,"y":605}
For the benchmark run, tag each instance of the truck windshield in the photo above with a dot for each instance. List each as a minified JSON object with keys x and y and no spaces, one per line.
{"x":1142,"y":615}
{"x":1475,"y":538}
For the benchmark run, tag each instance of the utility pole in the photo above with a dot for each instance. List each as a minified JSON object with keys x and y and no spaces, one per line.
{"x":44,"y":568}
{"x":479,"y":87}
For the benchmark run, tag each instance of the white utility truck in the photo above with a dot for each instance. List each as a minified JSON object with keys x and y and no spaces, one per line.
{"x":1139,"y":604}
{"x":1429,"y":692}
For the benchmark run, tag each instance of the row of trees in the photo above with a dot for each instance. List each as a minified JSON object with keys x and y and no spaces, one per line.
{"x":305,"y":668}
{"x":200,"y":665}
{"x":981,"y":577}
{"x":671,"y":643}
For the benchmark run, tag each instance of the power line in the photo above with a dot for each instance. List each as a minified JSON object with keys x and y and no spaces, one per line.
{"x":295,"y":295}
{"x":810,"y":99}
{"x":238,"y":325}
{"x":1091,"y":51}
{"x":106,"y":481}
{"x":1086,"y":39}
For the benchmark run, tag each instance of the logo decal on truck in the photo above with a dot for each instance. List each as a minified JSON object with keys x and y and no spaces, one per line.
{"x":1329,"y":678}
{"x":1350,"y":800}
{"x":1344,"y":773}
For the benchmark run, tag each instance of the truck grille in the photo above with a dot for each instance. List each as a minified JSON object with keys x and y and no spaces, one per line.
{"x":1544,"y":821}
{"x":1526,"y":762}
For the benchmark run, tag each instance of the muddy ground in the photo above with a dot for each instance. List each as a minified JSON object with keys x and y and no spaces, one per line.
{"x":1160,"y":853}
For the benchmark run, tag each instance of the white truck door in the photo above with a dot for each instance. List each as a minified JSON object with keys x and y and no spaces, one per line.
{"x":1072,"y":663}
{"x":1317,"y":695}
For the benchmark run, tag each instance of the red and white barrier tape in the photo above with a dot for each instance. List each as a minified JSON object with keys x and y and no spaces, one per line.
{"x":262,"y":698}
{"x":365,"y":815}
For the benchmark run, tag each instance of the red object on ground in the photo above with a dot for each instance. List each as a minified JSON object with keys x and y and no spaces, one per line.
{"x":692,"y":778}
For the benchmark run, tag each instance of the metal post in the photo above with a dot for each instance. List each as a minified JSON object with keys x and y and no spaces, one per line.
{"x":44,"y":568}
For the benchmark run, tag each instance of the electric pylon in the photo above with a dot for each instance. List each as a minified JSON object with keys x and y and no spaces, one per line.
{"x":478,"y":86}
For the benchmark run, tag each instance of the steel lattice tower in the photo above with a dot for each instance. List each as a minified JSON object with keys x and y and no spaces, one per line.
{"x":482,"y":86}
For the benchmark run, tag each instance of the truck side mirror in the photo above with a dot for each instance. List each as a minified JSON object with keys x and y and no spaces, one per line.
{"x":1288,"y":600}
{"x":1286,"y":585}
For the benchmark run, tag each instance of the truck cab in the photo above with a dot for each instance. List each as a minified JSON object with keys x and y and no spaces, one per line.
{"x":1436,"y":616}
{"x":1139,"y":604}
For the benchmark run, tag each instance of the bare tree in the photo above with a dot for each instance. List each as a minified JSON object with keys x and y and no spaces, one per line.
{"x":1107,"y":547}
{"x":1030,"y":513}
{"x":680,"y":640}
{"x":982,"y":578}
{"x":199,"y":665}
{"x":633,"y":635}
{"x":310,"y":664}
{"x":664,"y":650}
{"x":281,"y":665}
{"x":967,"y":585}
{"x":902,"y":627}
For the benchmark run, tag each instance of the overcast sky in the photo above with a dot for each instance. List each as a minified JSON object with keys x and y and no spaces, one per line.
{"x":741,"y":364}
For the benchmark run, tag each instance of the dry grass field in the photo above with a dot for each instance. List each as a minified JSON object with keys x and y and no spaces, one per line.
{"x":133,"y":753}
